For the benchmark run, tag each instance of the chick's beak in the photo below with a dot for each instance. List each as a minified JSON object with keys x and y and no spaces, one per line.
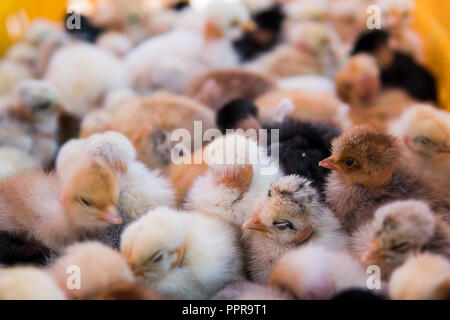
{"x":111,"y":215}
{"x":374,"y":252}
{"x":329,"y":163}
{"x":255,"y":224}
{"x":248,"y":26}
{"x":445,"y":148}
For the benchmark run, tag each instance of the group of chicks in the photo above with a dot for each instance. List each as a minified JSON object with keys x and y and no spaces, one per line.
{"x":93,"y":207}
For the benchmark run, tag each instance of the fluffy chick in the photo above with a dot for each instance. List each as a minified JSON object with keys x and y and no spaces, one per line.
{"x":290,"y":215}
{"x":28,"y":283}
{"x":300,"y":105}
{"x":423,"y":277}
{"x":245,"y":290}
{"x":313,"y":272}
{"x":13,"y":160}
{"x":239,"y":173}
{"x":217,"y":87}
{"x":238,"y":114}
{"x":300,"y":146}
{"x":425,"y":132}
{"x":41,"y":207}
{"x":127,"y":291}
{"x":182,"y":255}
{"x":400,"y":229}
{"x":83,"y":74}
{"x":368,"y":171}
{"x":98,"y":267}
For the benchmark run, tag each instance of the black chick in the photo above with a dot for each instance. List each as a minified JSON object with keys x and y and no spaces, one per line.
{"x":301,"y":146}
{"x":238,"y":114}
{"x":264,"y":38}
{"x":398,"y":70}
{"x":85,"y":31}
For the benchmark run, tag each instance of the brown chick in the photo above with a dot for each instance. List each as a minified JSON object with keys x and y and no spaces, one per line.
{"x":369,"y":171}
{"x":399,"y":230}
{"x":39,"y":206}
{"x":127,"y":291}
{"x":148,"y":123}
{"x":423,"y":277}
{"x":306,"y":106}
{"x":217,"y":87}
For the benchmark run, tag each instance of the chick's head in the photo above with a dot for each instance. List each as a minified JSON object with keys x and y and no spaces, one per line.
{"x":363,"y":156}
{"x":154,"y":244}
{"x":286,"y":214}
{"x":399,"y":229}
{"x":427,"y":135}
{"x":91,"y":195}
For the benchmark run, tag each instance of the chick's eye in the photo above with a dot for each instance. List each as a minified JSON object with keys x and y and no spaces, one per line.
{"x":158,"y":258}
{"x":269,"y":194}
{"x":349,"y":163}
{"x":401,"y":247}
{"x":283,"y":224}
{"x":423,"y":140}
{"x":85,"y":202}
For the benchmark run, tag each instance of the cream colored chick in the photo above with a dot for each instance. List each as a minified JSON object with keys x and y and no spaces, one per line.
{"x":425,"y":132}
{"x":28,"y":283}
{"x":239,"y":173}
{"x":184,"y":255}
{"x":169,"y":61}
{"x":83,"y":74}
{"x":245,"y":290}
{"x":13,"y":161}
{"x":290,"y":215}
{"x":275,"y":106}
{"x":400,"y":229}
{"x":422,"y":277}
{"x":41,"y":206}
{"x":115,"y":42}
{"x":313,"y":272}
{"x":96,"y":265}
{"x":12,"y":73}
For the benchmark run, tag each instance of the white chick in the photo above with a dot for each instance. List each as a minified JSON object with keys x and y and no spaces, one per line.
{"x":171,"y":60}
{"x":28,"y":283}
{"x":115,"y":42}
{"x":98,"y":267}
{"x":83,"y":74}
{"x":12,"y":73}
{"x":13,"y":160}
{"x":312,"y":10}
{"x":244,"y":290}
{"x":184,"y":255}
{"x":422,"y":277}
{"x":290,"y":215}
{"x":313,"y":272}
{"x":239,"y":173}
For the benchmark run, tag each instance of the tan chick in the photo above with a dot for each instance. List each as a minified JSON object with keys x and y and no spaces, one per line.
{"x":41,"y":206}
{"x":290,"y":215}
{"x":368,"y":171}
{"x":276,"y":105}
{"x":425,"y":133}
{"x":86,"y":268}
{"x":313,"y":272}
{"x":217,"y":87}
{"x":400,"y":229}
{"x":422,"y":277}
{"x":28,"y":283}
{"x":127,"y":291}
{"x":183,"y":255}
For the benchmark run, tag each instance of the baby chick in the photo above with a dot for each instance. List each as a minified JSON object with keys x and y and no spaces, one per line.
{"x":13,"y":160}
{"x":245,"y":290}
{"x":276,"y":105}
{"x":42,"y":207}
{"x":98,"y":267}
{"x":127,"y":291}
{"x":182,"y":255}
{"x":239,"y":173}
{"x":400,"y":229}
{"x":313,"y":272}
{"x":301,"y":145}
{"x":422,"y":277}
{"x":28,"y":283}
{"x":425,"y":133}
{"x":217,"y":87}
{"x":238,"y":114}
{"x":368,"y":171}
{"x":288,"y":216}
